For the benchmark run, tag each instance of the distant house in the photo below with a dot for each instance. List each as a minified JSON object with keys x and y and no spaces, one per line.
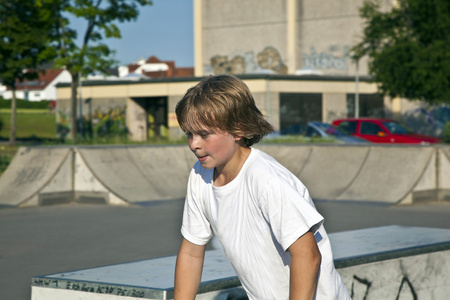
{"x":42,"y":88}
{"x":154,"y":68}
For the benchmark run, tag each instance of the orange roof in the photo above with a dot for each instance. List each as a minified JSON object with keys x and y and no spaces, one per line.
{"x":44,"y":79}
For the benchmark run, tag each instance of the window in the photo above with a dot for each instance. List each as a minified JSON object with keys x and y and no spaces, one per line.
{"x":348,"y":126}
{"x":370,"y":128}
{"x":370,"y":105}
{"x":311,"y":132}
{"x":297,"y":109}
{"x":395,"y":128}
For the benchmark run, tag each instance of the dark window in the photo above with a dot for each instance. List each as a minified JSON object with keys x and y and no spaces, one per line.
{"x":296,"y":110}
{"x":396,"y":128}
{"x":311,"y":132}
{"x":370,"y":105}
{"x":348,"y":126}
{"x":370,"y":128}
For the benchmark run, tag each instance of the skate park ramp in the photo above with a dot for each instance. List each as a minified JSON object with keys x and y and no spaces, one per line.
{"x":141,"y":174}
{"x":124,"y":175}
{"x":30,"y":171}
{"x":375,"y":173}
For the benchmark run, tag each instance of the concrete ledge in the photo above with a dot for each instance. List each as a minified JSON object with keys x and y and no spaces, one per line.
{"x":365,"y":259}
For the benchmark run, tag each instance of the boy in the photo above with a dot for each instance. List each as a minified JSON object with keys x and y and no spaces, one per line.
{"x":260,"y":212}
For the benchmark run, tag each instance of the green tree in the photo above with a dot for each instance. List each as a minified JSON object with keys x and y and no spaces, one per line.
{"x":24,"y":33}
{"x":408,"y":48}
{"x":101,"y":18}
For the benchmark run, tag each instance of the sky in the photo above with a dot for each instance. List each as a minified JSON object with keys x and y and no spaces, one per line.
{"x":164,"y":29}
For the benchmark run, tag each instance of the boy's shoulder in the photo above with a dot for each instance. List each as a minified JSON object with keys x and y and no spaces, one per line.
{"x":266,"y":173}
{"x":265,"y":166}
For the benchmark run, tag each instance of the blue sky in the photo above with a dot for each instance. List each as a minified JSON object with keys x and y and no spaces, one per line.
{"x":164,"y":29}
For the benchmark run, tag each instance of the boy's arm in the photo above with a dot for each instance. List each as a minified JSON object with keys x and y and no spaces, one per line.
{"x":305,"y":264}
{"x":188,"y":270}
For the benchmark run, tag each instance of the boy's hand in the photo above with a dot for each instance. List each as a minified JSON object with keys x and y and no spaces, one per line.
{"x":305,"y":264}
{"x":188,"y":270}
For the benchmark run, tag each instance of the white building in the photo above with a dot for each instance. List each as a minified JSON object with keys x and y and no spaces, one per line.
{"x":42,"y":88}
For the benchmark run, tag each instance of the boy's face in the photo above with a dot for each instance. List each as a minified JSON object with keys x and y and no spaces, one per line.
{"x":213,"y":149}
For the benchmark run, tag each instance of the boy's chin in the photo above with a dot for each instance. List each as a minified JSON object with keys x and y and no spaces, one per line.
{"x":206,"y":166}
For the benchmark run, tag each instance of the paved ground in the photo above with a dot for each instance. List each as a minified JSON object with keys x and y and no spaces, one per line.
{"x":53,"y":239}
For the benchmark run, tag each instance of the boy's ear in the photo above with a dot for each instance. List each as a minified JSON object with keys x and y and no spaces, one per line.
{"x":239,"y":135}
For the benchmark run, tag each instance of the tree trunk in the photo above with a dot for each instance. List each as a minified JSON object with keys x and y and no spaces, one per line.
{"x":73,"y":107}
{"x":12,"y":132}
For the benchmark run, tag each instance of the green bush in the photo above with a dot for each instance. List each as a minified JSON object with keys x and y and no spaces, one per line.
{"x":44,"y":104}
{"x":447,"y":132}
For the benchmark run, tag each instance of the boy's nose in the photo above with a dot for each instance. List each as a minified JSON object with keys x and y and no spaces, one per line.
{"x":195,"y":142}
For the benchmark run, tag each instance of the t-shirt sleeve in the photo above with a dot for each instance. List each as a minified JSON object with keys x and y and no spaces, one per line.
{"x":289,"y":213}
{"x":195,"y":226}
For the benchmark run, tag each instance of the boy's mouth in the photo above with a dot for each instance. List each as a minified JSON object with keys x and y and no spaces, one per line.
{"x":202,"y":158}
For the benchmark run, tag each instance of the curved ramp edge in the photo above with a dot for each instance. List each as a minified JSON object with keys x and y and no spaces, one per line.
{"x":30,"y":171}
{"x":141,"y":174}
{"x":332,"y":169}
{"x":390,"y":174}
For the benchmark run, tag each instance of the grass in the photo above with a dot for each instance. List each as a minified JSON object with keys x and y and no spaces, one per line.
{"x":24,"y":111}
{"x":29,"y":125}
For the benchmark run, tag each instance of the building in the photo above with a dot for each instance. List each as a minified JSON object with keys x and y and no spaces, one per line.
{"x":42,"y":88}
{"x":293,"y":54}
{"x":153,"y":67}
{"x":282,"y":36}
{"x":147,"y":106}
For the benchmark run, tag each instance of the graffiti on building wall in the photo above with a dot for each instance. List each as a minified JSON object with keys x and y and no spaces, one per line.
{"x":106,"y":121}
{"x":269,"y":59}
{"x":334,"y":58}
{"x":97,"y":123}
{"x":62,"y":123}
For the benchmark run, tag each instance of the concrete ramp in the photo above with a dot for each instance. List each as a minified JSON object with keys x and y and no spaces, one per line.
{"x":141,"y":174}
{"x":393,"y":174}
{"x":293,"y":157}
{"x":443,"y":185}
{"x":122,"y":175}
{"x":30,"y":171}
{"x":330,"y":170}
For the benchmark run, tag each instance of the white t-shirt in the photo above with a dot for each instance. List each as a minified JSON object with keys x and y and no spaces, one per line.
{"x":256,"y":217}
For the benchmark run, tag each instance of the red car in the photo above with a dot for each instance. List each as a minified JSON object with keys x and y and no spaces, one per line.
{"x":383,"y":131}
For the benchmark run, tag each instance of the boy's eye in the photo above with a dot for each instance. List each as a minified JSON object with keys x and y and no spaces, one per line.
{"x":189,"y":135}
{"x":204,"y":134}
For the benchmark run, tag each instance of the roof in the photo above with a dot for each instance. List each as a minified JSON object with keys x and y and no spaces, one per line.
{"x":274,"y":77}
{"x":45,"y":77}
{"x":171,"y":72}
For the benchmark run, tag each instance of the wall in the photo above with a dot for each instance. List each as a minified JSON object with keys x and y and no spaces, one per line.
{"x":236,"y":41}
{"x":110,"y":97}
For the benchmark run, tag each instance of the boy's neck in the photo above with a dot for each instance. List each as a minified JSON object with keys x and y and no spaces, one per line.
{"x":224,"y":175}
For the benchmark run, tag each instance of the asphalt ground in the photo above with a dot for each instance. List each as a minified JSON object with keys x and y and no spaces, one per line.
{"x":53,"y":239}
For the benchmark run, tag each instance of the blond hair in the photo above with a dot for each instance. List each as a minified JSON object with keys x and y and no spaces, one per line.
{"x":222,"y":102}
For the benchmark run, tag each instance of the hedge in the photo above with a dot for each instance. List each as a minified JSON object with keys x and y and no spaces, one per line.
{"x":44,"y":104}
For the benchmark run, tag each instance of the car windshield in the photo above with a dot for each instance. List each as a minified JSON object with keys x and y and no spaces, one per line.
{"x":396,"y":128}
{"x":331,"y":129}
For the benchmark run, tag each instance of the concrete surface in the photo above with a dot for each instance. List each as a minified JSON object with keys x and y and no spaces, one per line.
{"x":140,"y":174}
{"x":122,"y":175}
{"x":31,"y":171}
{"x":385,"y":256}
{"x":52,"y":239}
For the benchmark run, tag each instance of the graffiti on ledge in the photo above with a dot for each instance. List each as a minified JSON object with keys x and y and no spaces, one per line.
{"x":360,"y":289}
